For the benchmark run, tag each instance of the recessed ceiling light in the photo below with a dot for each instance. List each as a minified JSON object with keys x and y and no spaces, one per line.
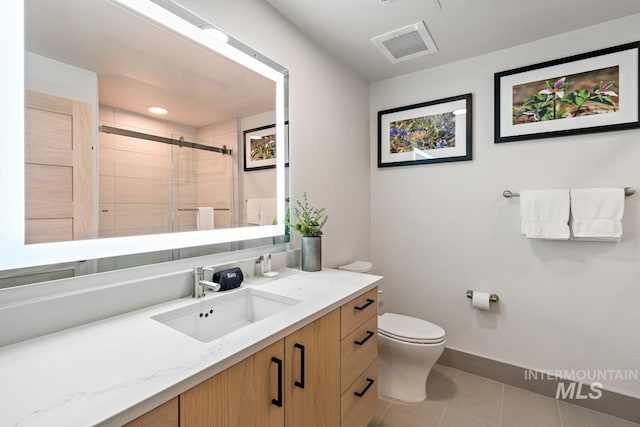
{"x":158,"y":110}
{"x":214,"y":33}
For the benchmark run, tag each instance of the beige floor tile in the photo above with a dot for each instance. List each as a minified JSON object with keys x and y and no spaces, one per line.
{"x":420,"y":414}
{"x":440,"y":383}
{"x":522,"y":408}
{"x":455,"y":418}
{"x":577,"y":416}
{"x":383,"y":405}
{"x":477,"y":396}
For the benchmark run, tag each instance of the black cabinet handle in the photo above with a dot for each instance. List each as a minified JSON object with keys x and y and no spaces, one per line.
{"x":301,"y":382}
{"x":362,"y":393}
{"x":367,"y":304}
{"x":278,"y":401}
{"x":369,"y":335}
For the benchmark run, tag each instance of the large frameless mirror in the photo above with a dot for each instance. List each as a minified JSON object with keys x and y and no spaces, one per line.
{"x":138,"y":126}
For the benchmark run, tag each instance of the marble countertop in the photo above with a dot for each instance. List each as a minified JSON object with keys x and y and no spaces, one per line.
{"x":114,"y":370}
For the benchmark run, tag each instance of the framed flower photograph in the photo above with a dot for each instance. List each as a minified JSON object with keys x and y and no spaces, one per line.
{"x":430,"y":132}
{"x":260,"y":147}
{"x":591,"y":92}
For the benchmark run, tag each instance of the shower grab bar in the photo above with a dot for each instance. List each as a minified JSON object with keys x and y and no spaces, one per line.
{"x":196,"y":210}
{"x":628,"y":192}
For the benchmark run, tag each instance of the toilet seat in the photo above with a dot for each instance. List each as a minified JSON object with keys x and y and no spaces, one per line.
{"x":357,"y":267}
{"x":409,"y":329}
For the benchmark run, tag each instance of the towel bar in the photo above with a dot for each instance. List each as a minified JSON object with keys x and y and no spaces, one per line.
{"x":628,"y":192}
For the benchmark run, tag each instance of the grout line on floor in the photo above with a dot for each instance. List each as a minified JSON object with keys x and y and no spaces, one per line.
{"x":385,"y":412}
{"x":559,"y":412}
{"x":442,"y":415}
{"x":501,"y":406}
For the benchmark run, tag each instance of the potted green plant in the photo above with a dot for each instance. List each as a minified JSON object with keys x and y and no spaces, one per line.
{"x":309,"y":222}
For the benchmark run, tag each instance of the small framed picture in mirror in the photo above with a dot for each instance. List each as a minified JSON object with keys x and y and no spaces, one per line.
{"x":260,"y":147}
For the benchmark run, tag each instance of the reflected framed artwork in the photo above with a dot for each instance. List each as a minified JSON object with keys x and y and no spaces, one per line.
{"x":260,"y":147}
{"x":430,"y":132}
{"x":587,"y":93}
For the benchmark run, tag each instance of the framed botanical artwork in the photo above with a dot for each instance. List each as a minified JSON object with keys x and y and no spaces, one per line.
{"x":260,"y":147}
{"x":591,"y":92}
{"x":430,"y":132}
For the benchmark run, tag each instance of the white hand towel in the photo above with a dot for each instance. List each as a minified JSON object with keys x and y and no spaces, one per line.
{"x":204,"y":218}
{"x":545,"y":214}
{"x":253,"y":211}
{"x":267,"y":211}
{"x":596,"y":214}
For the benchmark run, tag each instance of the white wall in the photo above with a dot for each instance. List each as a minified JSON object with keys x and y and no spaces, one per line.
{"x":438,"y":230}
{"x":328,"y":121}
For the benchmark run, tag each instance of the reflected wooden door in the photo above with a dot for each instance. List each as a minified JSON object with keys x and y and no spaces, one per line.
{"x":58,"y":169}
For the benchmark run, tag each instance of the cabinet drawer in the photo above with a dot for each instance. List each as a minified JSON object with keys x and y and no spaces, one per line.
{"x":358,"y":350}
{"x":360,"y":401}
{"x":357,"y":311}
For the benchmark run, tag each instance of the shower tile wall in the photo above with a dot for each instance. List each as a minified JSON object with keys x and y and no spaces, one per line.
{"x":136,"y":175}
{"x":216,"y":173}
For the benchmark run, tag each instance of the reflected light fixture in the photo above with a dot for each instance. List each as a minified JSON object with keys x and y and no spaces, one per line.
{"x":158,"y":110}
{"x":460,"y":111}
{"x":214,"y":33}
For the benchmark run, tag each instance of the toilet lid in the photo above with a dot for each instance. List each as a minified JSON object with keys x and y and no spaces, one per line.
{"x":410,"y":329}
{"x":357,"y":267}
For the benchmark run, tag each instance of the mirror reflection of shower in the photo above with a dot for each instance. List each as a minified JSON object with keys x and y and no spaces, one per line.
{"x":153,"y":184}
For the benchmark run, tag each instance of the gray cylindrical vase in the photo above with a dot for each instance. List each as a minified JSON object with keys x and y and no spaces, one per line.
{"x":311,"y":253}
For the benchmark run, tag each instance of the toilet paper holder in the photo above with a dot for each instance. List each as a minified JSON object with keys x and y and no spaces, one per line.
{"x":492,"y":297}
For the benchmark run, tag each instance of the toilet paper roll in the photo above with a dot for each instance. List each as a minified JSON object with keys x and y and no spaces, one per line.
{"x":480,"y":300}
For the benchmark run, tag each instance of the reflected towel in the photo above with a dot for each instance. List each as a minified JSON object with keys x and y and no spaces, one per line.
{"x":204,"y":218}
{"x":267,"y":211}
{"x":596,"y":214}
{"x":253,"y":211}
{"x":545,"y":214}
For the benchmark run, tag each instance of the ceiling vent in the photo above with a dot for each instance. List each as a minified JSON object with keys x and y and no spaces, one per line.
{"x":405,"y":43}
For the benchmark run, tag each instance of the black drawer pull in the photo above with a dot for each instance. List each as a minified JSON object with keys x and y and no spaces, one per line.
{"x":368,"y":303}
{"x":362,"y":393}
{"x":301,"y":382}
{"x":278,"y":401}
{"x":369,"y":335}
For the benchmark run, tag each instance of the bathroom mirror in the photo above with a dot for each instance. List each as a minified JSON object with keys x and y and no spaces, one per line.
{"x":139,"y":182}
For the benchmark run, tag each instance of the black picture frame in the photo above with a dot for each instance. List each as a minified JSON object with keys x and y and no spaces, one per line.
{"x":522,"y":113}
{"x":437,"y":131}
{"x":251,"y":163}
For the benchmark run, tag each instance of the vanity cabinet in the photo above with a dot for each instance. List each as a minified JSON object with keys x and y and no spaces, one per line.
{"x":324,"y":374}
{"x":359,"y":355}
{"x":165,"y":415}
{"x":312,"y":391}
{"x":250,"y":393}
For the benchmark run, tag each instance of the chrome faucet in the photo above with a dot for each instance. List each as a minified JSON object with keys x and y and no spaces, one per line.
{"x":199,"y":283}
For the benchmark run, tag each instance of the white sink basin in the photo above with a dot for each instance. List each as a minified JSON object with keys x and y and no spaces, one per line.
{"x":211,"y":319}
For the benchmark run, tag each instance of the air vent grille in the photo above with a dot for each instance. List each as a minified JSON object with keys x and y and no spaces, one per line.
{"x":405,"y":43}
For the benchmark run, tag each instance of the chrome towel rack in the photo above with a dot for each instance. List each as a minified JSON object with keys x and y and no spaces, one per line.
{"x":628,"y":192}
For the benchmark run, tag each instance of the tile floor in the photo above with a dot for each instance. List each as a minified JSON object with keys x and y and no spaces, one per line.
{"x":459,"y":399}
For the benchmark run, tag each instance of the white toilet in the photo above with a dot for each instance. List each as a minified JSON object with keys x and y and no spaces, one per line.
{"x":408,"y":348}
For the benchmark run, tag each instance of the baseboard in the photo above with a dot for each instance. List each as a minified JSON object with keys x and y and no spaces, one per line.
{"x":616,"y":404}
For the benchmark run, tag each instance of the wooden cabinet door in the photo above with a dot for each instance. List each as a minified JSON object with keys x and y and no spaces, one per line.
{"x":58,"y":169}
{"x":243,"y":395}
{"x":312,"y":374}
{"x":165,"y":415}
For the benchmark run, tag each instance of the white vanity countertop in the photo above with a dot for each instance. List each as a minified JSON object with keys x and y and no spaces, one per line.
{"x":116,"y":369}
